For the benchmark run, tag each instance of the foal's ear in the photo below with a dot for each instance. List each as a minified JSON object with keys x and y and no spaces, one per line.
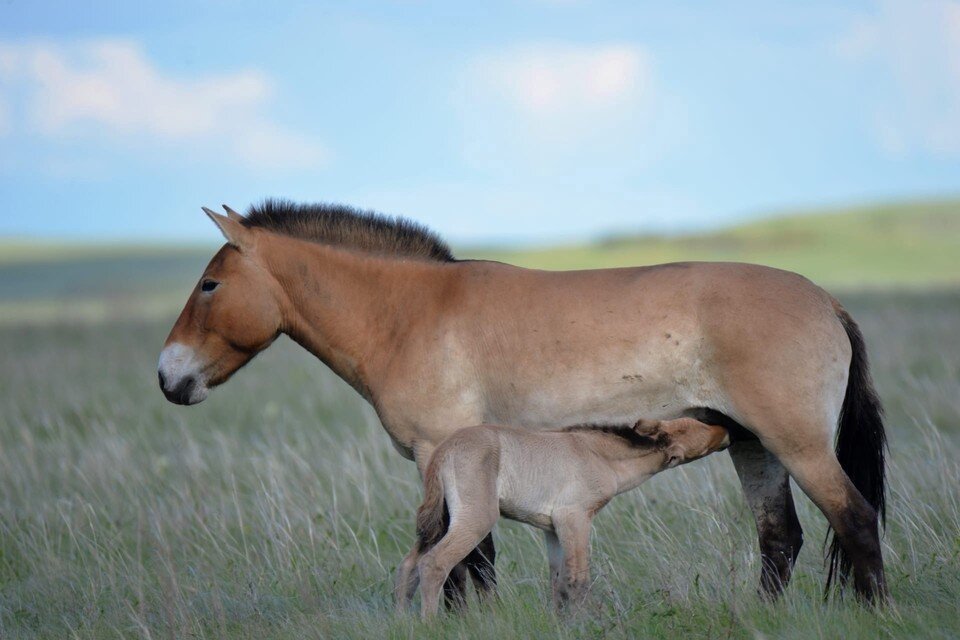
{"x":675,"y":454}
{"x":235,"y":233}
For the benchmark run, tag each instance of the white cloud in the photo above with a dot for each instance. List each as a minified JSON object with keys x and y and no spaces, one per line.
{"x":549,"y":102}
{"x":110,"y":87}
{"x":915,"y":45}
{"x":549,"y":81}
{"x":565,"y":83}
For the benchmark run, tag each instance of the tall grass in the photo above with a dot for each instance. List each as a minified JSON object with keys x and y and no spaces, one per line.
{"x":278,"y":508}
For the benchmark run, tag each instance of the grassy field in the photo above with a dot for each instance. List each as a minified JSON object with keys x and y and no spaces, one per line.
{"x":279,"y":509}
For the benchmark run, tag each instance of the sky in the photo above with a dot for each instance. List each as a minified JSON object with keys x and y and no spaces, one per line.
{"x":527,"y":121}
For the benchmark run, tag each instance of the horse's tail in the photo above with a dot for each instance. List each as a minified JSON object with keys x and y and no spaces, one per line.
{"x":432,"y":516}
{"x":861,"y":442}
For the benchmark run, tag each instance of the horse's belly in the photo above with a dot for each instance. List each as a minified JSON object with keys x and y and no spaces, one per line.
{"x":615,"y":396}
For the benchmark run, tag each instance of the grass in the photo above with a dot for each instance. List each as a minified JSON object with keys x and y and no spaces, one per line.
{"x":278,"y":508}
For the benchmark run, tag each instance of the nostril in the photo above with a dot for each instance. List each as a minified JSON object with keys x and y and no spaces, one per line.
{"x":185,"y":389}
{"x":163,"y":382}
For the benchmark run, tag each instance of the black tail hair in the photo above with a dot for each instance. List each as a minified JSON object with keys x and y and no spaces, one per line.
{"x":861,"y":443}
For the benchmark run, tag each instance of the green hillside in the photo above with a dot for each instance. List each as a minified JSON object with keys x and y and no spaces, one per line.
{"x":903,"y":245}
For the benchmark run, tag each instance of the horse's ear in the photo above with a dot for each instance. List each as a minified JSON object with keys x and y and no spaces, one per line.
{"x":233,"y":215}
{"x":235,"y":233}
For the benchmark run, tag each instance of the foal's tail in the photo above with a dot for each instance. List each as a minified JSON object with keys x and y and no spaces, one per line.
{"x":432,"y":516}
{"x":861,"y":441}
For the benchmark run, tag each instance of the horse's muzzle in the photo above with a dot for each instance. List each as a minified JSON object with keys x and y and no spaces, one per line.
{"x":177,"y":376}
{"x":182,"y":392}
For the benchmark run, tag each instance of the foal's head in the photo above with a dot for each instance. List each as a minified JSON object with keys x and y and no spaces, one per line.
{"x":232,"y":314}
{"x":685,"y":439}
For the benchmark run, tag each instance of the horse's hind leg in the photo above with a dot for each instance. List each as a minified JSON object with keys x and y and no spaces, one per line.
{"x":466,"y":531}
{"x":819,"y":474}
{"x":766,"y":486}
{"x":480,"y":565}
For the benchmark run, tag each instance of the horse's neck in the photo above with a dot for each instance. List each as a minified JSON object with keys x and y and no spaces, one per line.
{"x":632,"y":472}
{"x":349,"y":309}
{"x":631,"y":465}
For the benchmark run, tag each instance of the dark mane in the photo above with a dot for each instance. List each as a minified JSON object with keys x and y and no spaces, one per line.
{"x":626,"y":432}
{"x":348,"y":227}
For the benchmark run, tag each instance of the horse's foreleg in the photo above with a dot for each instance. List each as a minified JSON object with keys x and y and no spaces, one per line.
{"x":573,"y":532}
{"x":766,"y":487}
{"x":455,"y":588}
{"x":480,"y":565}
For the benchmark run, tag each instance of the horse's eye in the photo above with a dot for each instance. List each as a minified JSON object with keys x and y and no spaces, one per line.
{"x":208,"y":285}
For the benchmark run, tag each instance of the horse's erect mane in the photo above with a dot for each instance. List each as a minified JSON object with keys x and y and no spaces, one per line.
{"x":624,"y":431}
{"x":351,"y":228}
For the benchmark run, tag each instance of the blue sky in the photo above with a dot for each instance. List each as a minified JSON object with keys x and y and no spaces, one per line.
{"x":516,"y":121}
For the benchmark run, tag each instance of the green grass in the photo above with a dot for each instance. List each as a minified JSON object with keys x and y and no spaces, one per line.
{"x":279,"y":509}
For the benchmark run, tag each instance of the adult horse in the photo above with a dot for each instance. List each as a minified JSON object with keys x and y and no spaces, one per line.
{"x":434,"y":344}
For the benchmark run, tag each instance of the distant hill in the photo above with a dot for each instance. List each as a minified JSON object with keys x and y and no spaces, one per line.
{"x":902,"y":245}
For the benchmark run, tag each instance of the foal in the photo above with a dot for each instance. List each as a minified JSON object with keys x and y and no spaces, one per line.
{"x":554,"y":480}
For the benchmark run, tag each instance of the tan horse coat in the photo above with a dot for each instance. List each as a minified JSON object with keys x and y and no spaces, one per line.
{"x":437,"y":344}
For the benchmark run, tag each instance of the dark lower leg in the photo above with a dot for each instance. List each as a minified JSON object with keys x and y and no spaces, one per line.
{"x":857,"y":530}
{"x":480,"y":565}
{"x":455,"y":588}
{"x":780,"y":539}
{"x":766,"y":487}
{"x":853,"y":520}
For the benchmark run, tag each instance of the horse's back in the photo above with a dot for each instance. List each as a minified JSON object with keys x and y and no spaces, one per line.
{"x":608,"y":344}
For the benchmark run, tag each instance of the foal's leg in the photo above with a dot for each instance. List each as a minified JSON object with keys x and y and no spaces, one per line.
{"x":473,"y":506}
{"x":407,"y":580}
{"x":766,"y":486}
{"x":467,"y":529}
{"x":573,"y":532}
{"x":479,"y":563}
{"x":555,"y":560}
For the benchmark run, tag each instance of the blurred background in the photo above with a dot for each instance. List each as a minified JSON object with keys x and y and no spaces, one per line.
{"x":822,"y":137}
